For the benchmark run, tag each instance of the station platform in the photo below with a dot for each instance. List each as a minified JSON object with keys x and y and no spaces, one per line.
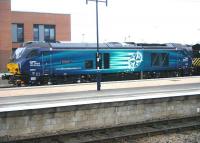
{"x":32,"y":112}
{"x":25,"y":98}
{"x":82,"y":87}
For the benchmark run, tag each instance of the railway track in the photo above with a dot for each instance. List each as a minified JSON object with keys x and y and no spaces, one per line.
{"x":109,"y":135}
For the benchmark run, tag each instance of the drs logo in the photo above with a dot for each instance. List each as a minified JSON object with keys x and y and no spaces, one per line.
{"x":135,"y":60}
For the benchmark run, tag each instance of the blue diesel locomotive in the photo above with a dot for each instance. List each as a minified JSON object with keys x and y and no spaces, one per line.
{"x":42,"y":63}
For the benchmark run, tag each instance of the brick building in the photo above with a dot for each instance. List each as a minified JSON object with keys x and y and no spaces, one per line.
{"x":18,"y":27}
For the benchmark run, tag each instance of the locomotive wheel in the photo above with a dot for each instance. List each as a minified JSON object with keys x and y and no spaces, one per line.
{"x":18,"y":83}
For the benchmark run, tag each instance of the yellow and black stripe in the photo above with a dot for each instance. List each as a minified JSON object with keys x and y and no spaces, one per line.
{"x":196,"y":62}
{"x":13,"y":68}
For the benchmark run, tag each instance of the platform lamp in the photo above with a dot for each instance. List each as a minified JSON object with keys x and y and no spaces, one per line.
{"x":97,"y":32}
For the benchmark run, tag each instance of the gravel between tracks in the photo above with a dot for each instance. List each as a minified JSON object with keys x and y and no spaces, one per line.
{"x":192,"y":136}
{"x":181,"y":137}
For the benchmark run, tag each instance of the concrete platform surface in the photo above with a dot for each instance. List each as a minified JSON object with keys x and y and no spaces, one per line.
{"x":69,"y":88}
{"x":49,"y":100}
{"x":4,"y":83}
{"x":43,"y":115}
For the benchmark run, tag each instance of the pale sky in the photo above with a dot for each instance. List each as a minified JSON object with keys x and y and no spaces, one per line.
{"x":126,"y":20}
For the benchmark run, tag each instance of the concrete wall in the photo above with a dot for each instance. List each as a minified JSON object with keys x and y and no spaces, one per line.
{"x":44,"y":122}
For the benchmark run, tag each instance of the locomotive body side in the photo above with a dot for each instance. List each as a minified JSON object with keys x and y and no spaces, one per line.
{"x":43,"y":65}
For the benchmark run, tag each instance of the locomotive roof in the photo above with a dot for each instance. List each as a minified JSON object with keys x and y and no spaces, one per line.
{"x":108,"y":45}
{"x":111,"y":45}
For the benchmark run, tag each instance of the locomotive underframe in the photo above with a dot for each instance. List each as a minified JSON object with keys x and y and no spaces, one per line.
{"x":19,"y":80}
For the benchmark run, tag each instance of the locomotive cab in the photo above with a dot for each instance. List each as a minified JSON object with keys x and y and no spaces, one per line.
{"x":14,"y":65}
{"x":22,"y":58}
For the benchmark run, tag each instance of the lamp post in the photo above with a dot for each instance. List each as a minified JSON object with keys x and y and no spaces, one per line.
{"x":83,"y":37}
{"x":97,"y":32}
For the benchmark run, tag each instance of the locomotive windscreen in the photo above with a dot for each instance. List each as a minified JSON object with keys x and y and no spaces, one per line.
{"x":18,"y":53}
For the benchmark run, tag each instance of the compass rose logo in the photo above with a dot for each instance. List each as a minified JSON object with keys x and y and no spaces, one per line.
{"x":135,"y":60}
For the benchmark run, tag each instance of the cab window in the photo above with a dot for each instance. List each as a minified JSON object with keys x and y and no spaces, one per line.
{"x":33,"y":53}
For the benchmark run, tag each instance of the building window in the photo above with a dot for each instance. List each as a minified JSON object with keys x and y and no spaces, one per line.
{"x":49,"y":33}
{"x":36,"y":32}
{"x":18,"y":33}
{"x":44,"y":33}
